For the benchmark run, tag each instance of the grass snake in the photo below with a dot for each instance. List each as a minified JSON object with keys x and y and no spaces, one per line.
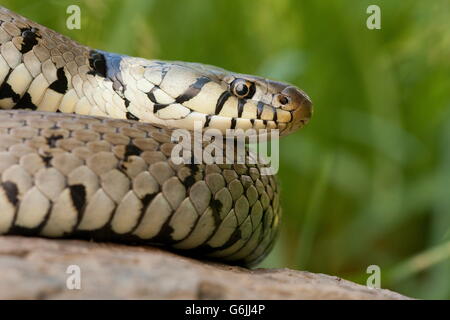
{"x":85,"y":147}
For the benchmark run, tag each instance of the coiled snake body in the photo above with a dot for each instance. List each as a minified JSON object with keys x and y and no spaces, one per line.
{"x":89,"y":157}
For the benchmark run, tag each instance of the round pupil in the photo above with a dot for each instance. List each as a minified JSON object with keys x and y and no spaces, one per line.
{"x":283,"y":100}
{"x":241,"y":89}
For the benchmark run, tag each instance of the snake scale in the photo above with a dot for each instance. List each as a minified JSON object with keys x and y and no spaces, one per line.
{"x":85,"y":145}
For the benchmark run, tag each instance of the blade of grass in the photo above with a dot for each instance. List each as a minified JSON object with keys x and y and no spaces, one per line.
{"x":313,"y":213}
{"x":420,"y":262}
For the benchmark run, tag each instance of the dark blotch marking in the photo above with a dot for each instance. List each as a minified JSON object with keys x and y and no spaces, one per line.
{"x":164,"y":234}
{"x":216,"y":206}
{"x":151,"y":96}
{"x":25,"y":103}
{"x":25,"y":231}
{"x":145,"y":202}
{"x":107,"y":65}
{"x":97,"y":63}
{"x":190,"y":180}
{"x":60,"y":84}
{"x":47,"y":158}
{"x":159,"y":106}
{"x":208,"y":120}
{"x":127,"y":102}
{"x":252,"y":121}
{"x":45,"y":220}
{"x":251,"y":91}
{"x":78,"y":195}
{"x":233,"y":123}
{"x":30,"y":37}
{"x":6,"y":91}
{"x":131,"y":150}
{"x":221,"y":101}
{"x":131,"y":116}
{"x":193,"y":90}
{"x":11,"y":191}
{"x":241,"y":103}
{"x":235,"y":236}
{"x":51,"y":141}
{"x":260,"y":108}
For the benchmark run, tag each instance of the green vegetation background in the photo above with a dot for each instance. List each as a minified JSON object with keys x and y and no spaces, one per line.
{"x":368,"y":181}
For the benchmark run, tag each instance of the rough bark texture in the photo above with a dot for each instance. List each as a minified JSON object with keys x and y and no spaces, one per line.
{"x":35,"y":268}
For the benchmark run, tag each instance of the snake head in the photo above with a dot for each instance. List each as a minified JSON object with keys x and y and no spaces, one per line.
{"x":291,"y":107}
{"x":182,"y":93}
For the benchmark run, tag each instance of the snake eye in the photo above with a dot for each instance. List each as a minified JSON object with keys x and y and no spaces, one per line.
{"x":242,"y":88}
{"x":283,"y":99}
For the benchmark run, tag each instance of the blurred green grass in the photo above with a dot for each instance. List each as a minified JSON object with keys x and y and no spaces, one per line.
{"x":368,"y":180}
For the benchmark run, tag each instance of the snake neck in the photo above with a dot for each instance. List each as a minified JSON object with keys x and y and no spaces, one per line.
{"x":43,"y":70}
